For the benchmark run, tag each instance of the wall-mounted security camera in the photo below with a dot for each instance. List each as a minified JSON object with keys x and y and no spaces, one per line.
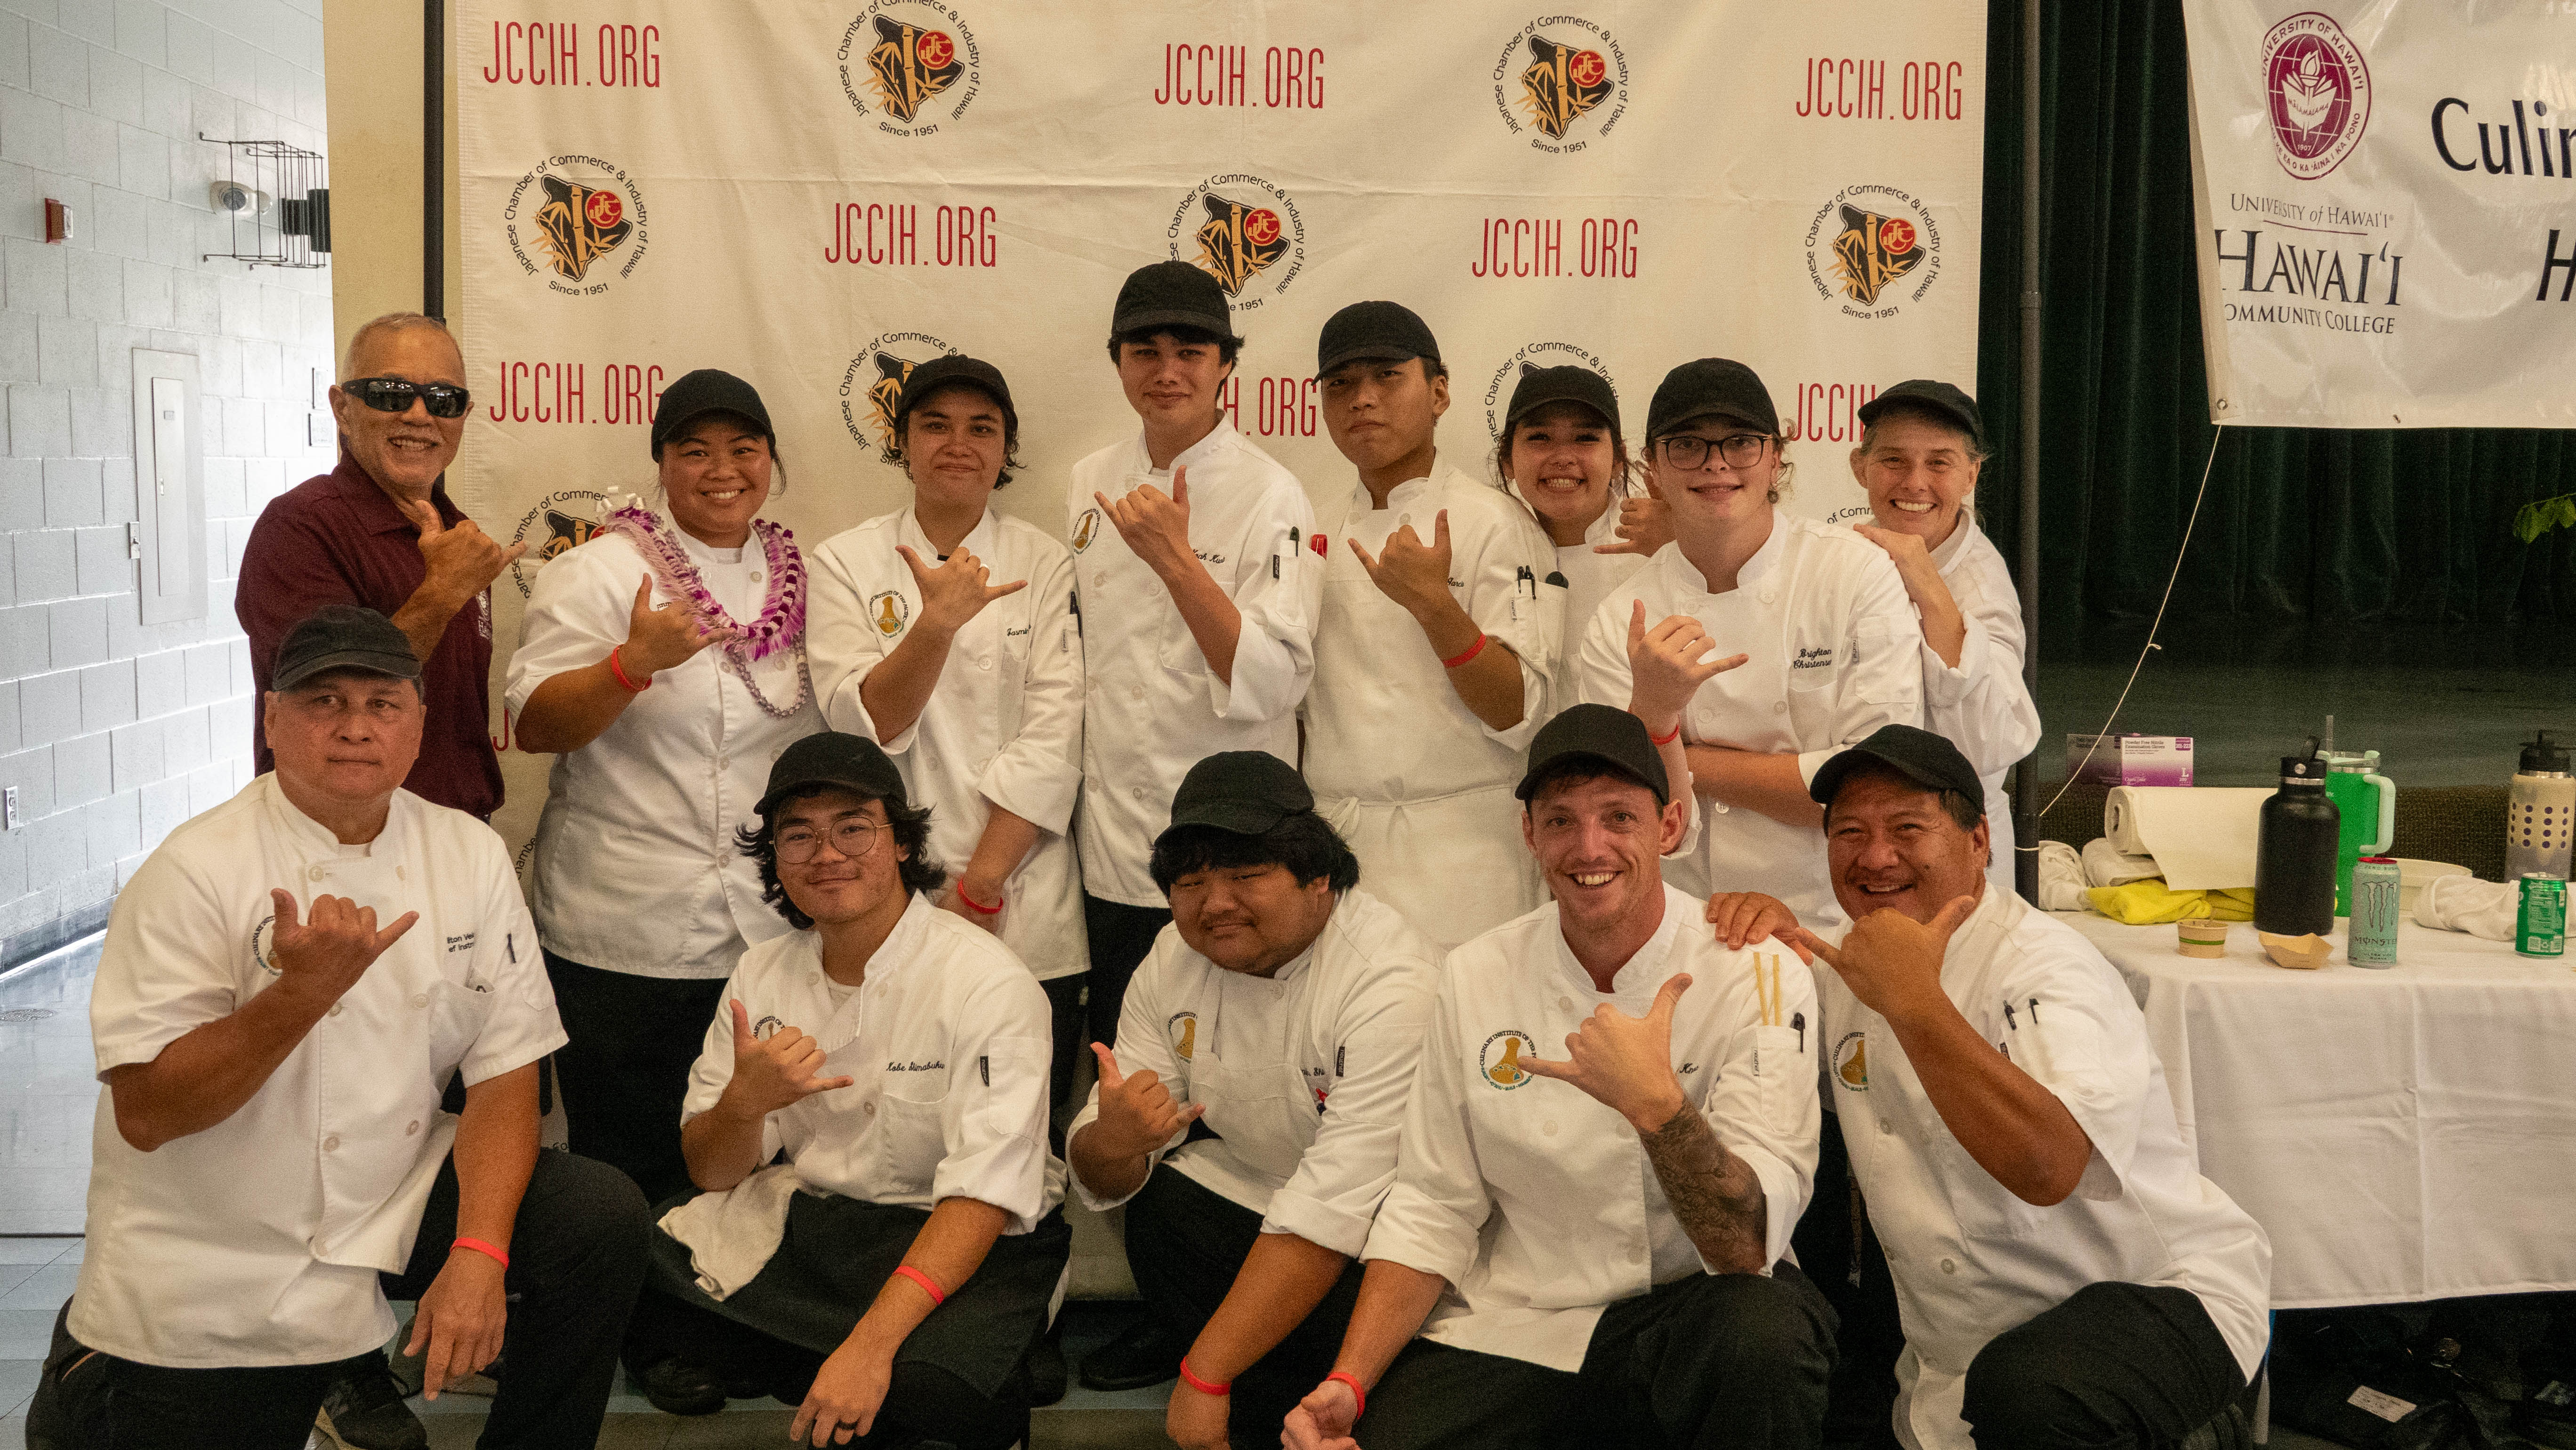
{"x":233,"y":197}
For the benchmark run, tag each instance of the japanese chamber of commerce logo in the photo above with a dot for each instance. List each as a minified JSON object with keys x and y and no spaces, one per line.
{"x":873,"y":383}
{"x":1875,"y":246}
{"x":572,"y":215}
{"x":1084,"y":528}
{"x":263,"y":946}
{"x":1183,"y":1028}
{"x":889,"y":610}
{"x":1851,"y":1061}
{"x":910,"y":64}
{"x":1530,"y":358}
{"x":1242,"y":231}
{"x":1557,"y":75}
{"x":1499,"y":1063}
{"x":2317,"y":90}
{"x":559,"y":522}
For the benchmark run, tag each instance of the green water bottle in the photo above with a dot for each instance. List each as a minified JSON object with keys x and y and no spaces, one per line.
{"x":2368,"y":801}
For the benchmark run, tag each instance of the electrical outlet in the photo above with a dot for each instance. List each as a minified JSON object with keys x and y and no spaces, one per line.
{"x":9,"y":807}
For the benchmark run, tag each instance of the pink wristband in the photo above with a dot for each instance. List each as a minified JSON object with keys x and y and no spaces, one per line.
{"x":907,"y":1271}
{"x":619,"y":671}
{"x":1202,"y":1386}
{"x":486,"y":1250}
{"x":1465,"y":655}
{"x":1357,"y":1393}
{"x":979,"y":908}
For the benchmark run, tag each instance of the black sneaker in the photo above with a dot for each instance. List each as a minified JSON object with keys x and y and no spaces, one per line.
{"x":1147,"y":1354}
{"x":364,"y":1410}
{"x":2546,"y":1416}
{"x":677,"y":1387}
{"x":1046,"y":1368}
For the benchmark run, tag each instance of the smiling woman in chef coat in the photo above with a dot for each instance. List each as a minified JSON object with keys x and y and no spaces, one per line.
{"x":1813,"y":616}
{"x":664,"y":664}
{"x":1922,"y":444}
{"x":892,"y":1272}
{"x":945,"y":632}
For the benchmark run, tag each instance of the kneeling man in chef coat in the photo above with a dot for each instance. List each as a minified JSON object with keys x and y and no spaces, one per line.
{"x":288,"y":984}
{"x":889,"y":1272}
{"x":2065,"y":1275}
{"x":1248,"y":1116}
{"x":1591,"y":1244}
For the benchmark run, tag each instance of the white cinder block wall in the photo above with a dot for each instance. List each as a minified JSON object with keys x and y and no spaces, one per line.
{"x":114,"y":731}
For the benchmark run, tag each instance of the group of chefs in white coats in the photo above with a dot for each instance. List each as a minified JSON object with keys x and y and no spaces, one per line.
{"x":1040,"y":706}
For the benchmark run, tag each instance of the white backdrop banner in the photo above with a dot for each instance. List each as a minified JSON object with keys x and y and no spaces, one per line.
{"x":816,"y":196}
{"x":2383,"y":192}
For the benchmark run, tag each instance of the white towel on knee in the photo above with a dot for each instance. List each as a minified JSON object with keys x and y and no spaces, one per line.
{"x":732,"y":1235}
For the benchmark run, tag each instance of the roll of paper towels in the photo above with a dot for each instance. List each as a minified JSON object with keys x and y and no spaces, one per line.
{"x":2202,"y":837}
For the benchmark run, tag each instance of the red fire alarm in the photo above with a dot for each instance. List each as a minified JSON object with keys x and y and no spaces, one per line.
{"x":58,"y":221}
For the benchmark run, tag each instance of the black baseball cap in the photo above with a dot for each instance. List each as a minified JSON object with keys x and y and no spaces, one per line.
{"x":833,"y":758}
{"x":1387,"y":330}
{"x":1539,"y":387}
{"x":707,"y":390}
{"x":342,"y":637}
{"x":1614,"y":738}
{"x":1710,"y":385}
{"x":1928,"y":760}
{"x":1243,"y":791}
{"x":1926,"y":395}
{"x":955,"y":371}
{"x":1171,"y":294}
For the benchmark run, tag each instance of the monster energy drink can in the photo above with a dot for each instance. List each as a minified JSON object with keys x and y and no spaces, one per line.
{"x":2373,"y":940}
{"x":2540,"y":923}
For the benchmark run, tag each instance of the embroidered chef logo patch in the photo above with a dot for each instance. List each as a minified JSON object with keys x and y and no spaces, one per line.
{"x":1183,"y":1028}
{"x":1500,"y":1061}
{"x":1084,"y":527}
{"x":766,"y":1028}
{"x":263,"y":945}
{"x":889,"y":610}
{"x":1851,"y":1061}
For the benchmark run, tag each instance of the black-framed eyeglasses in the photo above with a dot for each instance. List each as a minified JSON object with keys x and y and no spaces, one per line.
{"x":1739,"y":450}
{"x":395,"y":395}
{"x":853,"y":839}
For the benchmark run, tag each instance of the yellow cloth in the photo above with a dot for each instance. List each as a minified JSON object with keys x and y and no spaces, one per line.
{"x":2145,"y":903}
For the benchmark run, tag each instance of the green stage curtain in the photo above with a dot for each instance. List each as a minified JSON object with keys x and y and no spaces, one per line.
{"x":2394,"y":525}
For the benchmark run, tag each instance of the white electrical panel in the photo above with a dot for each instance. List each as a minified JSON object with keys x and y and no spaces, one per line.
{"x":169,"y":486}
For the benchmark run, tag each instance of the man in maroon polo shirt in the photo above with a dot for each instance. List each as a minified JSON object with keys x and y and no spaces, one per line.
{"x":378,"y":530}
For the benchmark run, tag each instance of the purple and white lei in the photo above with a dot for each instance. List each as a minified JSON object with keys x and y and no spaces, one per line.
{"x":781,"y":625}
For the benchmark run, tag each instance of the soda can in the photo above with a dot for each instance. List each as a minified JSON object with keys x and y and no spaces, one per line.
{"x":2373,"y":938}
{"x":2540,"y":920}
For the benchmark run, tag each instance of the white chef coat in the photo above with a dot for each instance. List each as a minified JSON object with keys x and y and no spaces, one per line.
{"x":1835,"y":648}
{"x":1583,"y":1219}
{"x":1589,"y":579}
{"x":1151,"y":707}
{"x":1419,"y":787}
{"x":1981,"y":703}
{"x":1002,"y":727}
{"x":647,"y":811}
{"x":257,"y":1242}
{"x":1970,"y":1258}
{"x":1304,"y":1074}
{"x":949,"y":1040}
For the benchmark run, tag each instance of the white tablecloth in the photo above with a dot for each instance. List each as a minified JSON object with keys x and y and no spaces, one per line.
{"x":2403,"y":1134}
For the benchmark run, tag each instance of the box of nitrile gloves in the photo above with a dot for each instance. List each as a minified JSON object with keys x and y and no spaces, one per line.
{"x":2129,"y":759}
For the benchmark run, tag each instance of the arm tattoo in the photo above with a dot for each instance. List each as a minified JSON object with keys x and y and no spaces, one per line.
{"x":1713,"y":1192}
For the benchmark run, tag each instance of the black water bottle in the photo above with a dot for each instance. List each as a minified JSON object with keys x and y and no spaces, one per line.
{"x":2294,"y":853}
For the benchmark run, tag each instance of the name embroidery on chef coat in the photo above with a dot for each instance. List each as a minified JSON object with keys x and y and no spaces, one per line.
{"x":1084,"y":527}
{"x":1813,"y":657}
{"x":1851,"y":1061}
{"x":891,"y":611}
{"x":1183,"y":1029}
{"x":1499,"y":1061}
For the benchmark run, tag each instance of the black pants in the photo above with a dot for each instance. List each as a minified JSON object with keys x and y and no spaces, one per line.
{"x":626,"y":1069}
{"x":2115,"y":1366}
{"x":1185,"y":1245}
{"x":577,"y":1258}
{"x":1121,"y":935}
{"x":1713,"y":1360}
{"x":1064,"y":1014}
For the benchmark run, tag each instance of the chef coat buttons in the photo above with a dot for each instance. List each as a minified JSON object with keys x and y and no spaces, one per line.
{"x":1885,"y":1126}
{"x":1548,"y":1127}
{"x":331,"y":1144}
{"x":1779,"y":707}
{"x":419,"y":1001}
{"x":870,"y":1110}
{"x":1137,"y":791}
{"x":1768,"y":596}
{"x":1565,"y":1004}
{"x":1949,"y":1266}
{"x":1137,"y":693}
{"x":983,"y":662}
{"x":412,"y":1128}
{"x":1404,"y":519}
{"x":755,"y":574}
{"x":335,"y":1009}
{"x":318,"y":873}
{"x":724,"y":762}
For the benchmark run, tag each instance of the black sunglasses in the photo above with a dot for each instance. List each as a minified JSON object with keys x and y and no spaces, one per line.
{"x":395,"y":395}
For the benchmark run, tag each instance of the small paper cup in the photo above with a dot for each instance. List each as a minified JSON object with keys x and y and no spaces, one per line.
{"x":2201,"y":936}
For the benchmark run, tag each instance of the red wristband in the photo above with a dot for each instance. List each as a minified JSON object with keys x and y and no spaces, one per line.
{"x":1357,"y":1393}
{"x":619,"y":671}
{"x":979,"y":908}
{"x":1667,"y":737}
{"x":1202,"y":1386}
{"x":907,"y":1271}
{"x":1470,"y":653}
{"x":489,"y":1252}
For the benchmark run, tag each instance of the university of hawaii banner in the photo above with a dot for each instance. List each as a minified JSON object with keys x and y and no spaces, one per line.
{"x":817,"y":196}
{"x":2386,"y":195}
